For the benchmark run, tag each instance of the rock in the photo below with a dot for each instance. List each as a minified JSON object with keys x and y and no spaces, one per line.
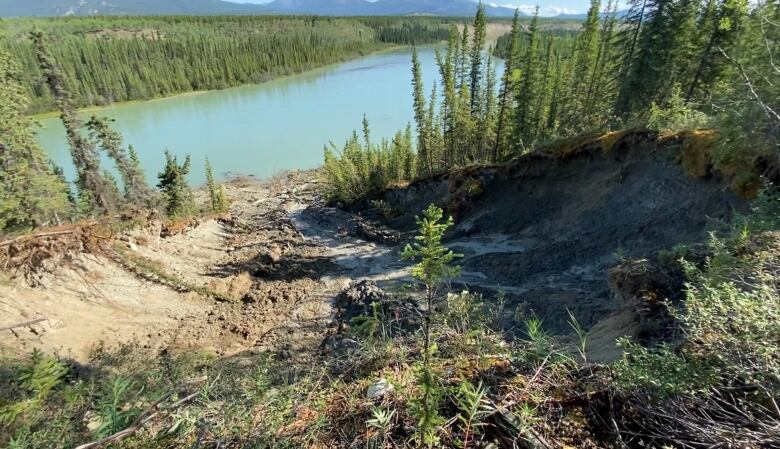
{"x":91,"y":420}
{"x":380,"y":389}
{"x":235,"y":287}
{"x":374,"y":233}
{"x":362,"y":294}
{"x":275,"y":253}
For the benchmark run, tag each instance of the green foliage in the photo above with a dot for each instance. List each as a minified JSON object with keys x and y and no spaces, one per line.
{"x":31,"y":191}
{"x":433,"y":267}
{"x":435,"y":259}
{"x":424,"y":407}
{"x":474,"y":408}
{"x":748,"y":104}
{"x":218,"y":202}
{"x":661,"y":371}
{"x":115,"y":407}
{"x":96,"y":194}
{"x":111,"y":59}
{"x":729,"y":318}
{"x":676,"y":114}
{"x":363,"y":167}
{"x":381,"y":420}
{"x":136,"y":192}
{"x":173,"y":184}
{"x":42,"y":374}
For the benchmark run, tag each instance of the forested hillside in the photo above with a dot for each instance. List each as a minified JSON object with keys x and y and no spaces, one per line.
{"x":106,"y":60}
{"x":582,"y":251}
{"x":668,"y":65}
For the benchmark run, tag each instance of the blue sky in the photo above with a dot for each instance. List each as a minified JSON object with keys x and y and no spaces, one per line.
{"x":547,"y":7}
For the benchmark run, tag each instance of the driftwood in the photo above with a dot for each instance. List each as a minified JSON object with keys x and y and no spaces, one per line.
{"x":143,"y":419}
{"x":22,"y":324}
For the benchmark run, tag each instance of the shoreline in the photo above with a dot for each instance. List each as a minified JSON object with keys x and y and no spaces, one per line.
{"x":93,"y":108}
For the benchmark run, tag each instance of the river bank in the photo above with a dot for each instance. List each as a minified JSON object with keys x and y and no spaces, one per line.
{"x":268,"y":128}
{"x":92,"y":109}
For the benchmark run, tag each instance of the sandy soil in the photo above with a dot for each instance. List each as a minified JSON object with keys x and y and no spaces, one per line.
{"x":282,"y":280}
{"x":544,"y":232}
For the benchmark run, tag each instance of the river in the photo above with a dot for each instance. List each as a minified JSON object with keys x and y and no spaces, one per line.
{"x":267,"y":128}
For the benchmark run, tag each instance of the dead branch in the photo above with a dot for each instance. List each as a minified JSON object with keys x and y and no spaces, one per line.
{"x":770,"y":113}
{"x":37,"y":236}
{"x":143,"y":419}
{"x":22,"y":324}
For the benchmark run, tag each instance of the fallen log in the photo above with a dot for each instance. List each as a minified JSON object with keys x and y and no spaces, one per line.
{"x":22,"y":324}
{"x":36,"y":236}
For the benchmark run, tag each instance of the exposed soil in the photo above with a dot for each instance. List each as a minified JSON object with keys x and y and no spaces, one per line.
{"x":548,"y":232}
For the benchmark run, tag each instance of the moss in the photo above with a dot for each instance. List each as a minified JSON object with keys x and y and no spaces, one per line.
{"x":696,"y":151}
{"x":697,"y":147}
{"x":606,"y":142}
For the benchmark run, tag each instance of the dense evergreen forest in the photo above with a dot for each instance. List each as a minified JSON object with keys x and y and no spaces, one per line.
{"x":106,"y":60}
{"x":668,"y":64}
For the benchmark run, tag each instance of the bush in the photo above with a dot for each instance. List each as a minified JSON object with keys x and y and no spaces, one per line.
{"x":676,"y":114}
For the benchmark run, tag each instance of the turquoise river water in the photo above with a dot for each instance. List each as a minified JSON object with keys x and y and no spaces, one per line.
{"x":267,"y":128}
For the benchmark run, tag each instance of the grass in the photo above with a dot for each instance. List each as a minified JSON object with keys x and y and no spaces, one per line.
{"x":155,"y":271}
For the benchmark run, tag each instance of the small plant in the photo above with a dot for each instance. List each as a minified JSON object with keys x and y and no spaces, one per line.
{"x":113,"y":409}
{"x":218,"y":202}
{"x":381,"y":421}
{"x":464,"y":311}
{"x":676,"y":114}
{"x":541,"y":344}
{"x":582,"y":336}
{"x":42,"y":374}
{"x":433,"y":267}
{"x":384,"y":209}
{"x":474,"y":407}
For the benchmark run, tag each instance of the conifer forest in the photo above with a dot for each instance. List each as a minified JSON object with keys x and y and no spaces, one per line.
{"x":549,"y":230}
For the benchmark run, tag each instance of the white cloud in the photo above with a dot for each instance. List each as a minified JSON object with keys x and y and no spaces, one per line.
{"x":544,"y":11}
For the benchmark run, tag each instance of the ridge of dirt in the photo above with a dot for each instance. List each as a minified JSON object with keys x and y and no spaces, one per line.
{"x":281,"y":283}
{"x":554,"y":235}
{"x":545,"y":230}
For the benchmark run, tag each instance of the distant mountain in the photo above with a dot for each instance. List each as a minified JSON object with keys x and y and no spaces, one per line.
{"x":15,"y":8}
{"x":384,"y":7}
{"x":583,"y":16}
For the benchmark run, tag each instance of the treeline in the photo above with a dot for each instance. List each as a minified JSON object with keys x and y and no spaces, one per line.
{"x":668,"y":64}
{"x":34,"y":192}
{"x":106,"y":60}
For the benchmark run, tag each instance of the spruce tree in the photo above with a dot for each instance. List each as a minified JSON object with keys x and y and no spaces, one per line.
{"x":477,"y":47}
{"x":136,"y":192}
{"x":527,"y":88}
{"x":588,"y":43}
{"x":505,"y":94}
{"x":628,"y":42}
{"x":420,"y":117}
{"x":434,"y":265}
{"x":32,"y":193}
{"x":463,"y":61}
{"x":94,"y":189}
{"x":719,"y":26}
{"x":173,"y":184}
{"x":218,"y":201}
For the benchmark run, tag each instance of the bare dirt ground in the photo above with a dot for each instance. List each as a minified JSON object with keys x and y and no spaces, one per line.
{"x":281,"y":263}
{"x":549,"y":234}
